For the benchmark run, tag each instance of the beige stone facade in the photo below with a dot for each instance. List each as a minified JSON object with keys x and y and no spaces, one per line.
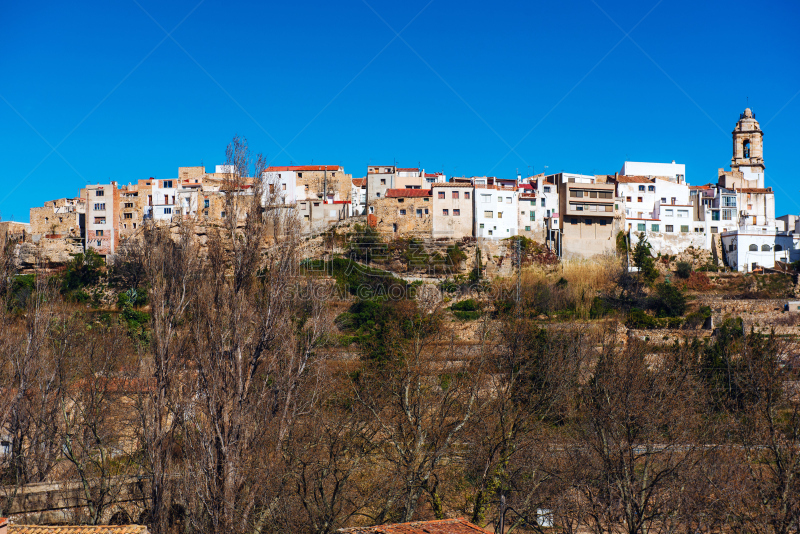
{"x":748,"y":143}
{"x":59,"y":218}
{"x":453,"y":210}
{"x":404,"y":212}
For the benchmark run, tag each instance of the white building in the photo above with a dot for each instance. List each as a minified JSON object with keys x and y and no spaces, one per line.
{"x":496,"y":211}
{"x":673,"y":171}
{"x":161,"y":203}
{"x":280,"y":185}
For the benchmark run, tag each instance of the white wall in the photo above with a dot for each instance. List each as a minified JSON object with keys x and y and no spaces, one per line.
{"x":643,"y":168}
{"x":496,"y":202}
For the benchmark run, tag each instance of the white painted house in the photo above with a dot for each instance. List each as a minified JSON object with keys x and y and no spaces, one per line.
{"x":496,"y":211}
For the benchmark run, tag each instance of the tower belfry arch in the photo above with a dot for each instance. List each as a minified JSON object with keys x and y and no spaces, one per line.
{"x":748,"y":144}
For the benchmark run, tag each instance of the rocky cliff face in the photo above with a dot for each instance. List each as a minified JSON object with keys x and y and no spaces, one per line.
{"x":46,"y":252}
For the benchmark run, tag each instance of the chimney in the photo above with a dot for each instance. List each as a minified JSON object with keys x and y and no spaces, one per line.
{"x":3,"y":525}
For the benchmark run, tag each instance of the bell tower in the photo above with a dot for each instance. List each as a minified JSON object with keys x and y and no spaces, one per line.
{"x":748,"y":144}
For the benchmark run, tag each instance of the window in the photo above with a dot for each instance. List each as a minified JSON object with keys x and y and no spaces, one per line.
{"x":727,"y":215}
{"x":499,"y":200}
{"x":651,"y":189}
{"x":573,"y":221}
{"x":426,"y":199}
{"x":401,"y":200}
{"x":377,"y":195}
{"x":419,"y":212}
{"x":486,"y":198}
{"x":663,"y":200}
{"x":499,"y":214}
{"x":533,"y":215}
{"x":488,"y":214}
{"x":99,"y":233}
{"x":403,"y":212}
{"x":167,"y":211}
{"x":383,"y":181}
{"x":481,"y":225}
{"x":134,"y":226}
{"x":167,"y":183}
{"x":603,"y":222}
{"x":490,"y":232}
{"x":99,"y":243}
{"x":546,"y":189}
{"x":426,"y":211}
{"x":508,"y":200}
{"x":576,"y":194}
{"x":639,"y":199}
{"x":627,"y":199}
{"x":300,"y":175}
{"x":715,"y":215}
{"x":587,"y":221}
{"x":698,"y":230}
{"x":283,"y":186}
{"x":641,"y":227}
{"x":654,"y":228}
{"x":100,"y":206}
{"x":129,"y":215}
{"x":99,"y":193}
{"x":669,"y":228}
{"x":685,"y":229}
{"x":99,"y":220}
{"x":128,"y":205}
{"x":754,"y":247}
{"x":714,"y":230}
{"x":641,"y":188}
{"x":466,"y":195}
{"x":729,"y":202}
{"x":527,"y":228}
{"x":222,"y":214}
{"x":673,"y":200}
{"x":456,"y":213}
{"x":455,"y":194}
{"x":778,"y":248}
{"x":683,"y":214}
{"x":542,"y":202}
{"x":765,"y":248}
{"x":205,"y":203}
{"x":441,"y":194}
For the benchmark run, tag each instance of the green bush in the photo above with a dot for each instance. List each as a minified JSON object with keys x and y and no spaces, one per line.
{"x":643,"y":259}
{"x":600,"y":308}
{"x":683,"y":269}
{"x":466,"y":305}
{"x":638,"y":319}
{"x":467,"y":315}
{"x":84,"y":270}
{"x":669,"y":301}
{"x":356,"y":279}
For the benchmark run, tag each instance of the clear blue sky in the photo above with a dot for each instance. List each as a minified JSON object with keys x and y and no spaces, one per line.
{"x":331,"y":82}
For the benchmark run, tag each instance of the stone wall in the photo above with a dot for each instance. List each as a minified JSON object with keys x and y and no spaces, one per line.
{"x":390,"y":221}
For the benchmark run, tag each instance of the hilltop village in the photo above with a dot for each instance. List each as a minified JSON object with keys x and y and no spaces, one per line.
{"x":573,"y":215}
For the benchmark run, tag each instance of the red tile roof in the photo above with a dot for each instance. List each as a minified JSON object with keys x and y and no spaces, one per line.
{"x":359,"y":182}
{"x":407,"y":169}
{"x":434,"y":175}
{"x":525,"y":186}
{"x":77,"y":529}
{"x":407,"y":193}
{"x":304,"y":168}
{"x":634,"y":180}
{"x":696,"y":187}
{"x":442,"y":526}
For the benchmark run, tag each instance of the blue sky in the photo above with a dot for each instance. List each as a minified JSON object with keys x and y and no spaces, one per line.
{"x":470,"y":88}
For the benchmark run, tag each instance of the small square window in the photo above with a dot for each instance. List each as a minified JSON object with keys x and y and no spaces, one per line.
{"x":466,"y":195}
{"x":99,"y":193}
{"x":639,"y":199}
{"x":455,"y":194}
{"x":669,"y":228}
{"x":684,"y":229}
{"x":573,"y":221}
{"x":445,"y":212}
{"x":481,"y":225}
{"x":456,"y":213}
{"x":527,"y":228}
{"x":640,"y":227}
{"x":587,"y":221}
{"x":654,"y":228}
{"x":402,"y":212}
{"x":441,"y":194}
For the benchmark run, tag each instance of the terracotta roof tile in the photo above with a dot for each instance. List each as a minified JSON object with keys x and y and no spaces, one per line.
{"x":442,"y":526}
{"x":754,"y":190}
{"x":407,"y":193}
{"x":407,"y":169}
{"x":303,"y":168}
{"x":634,"y":180}
{"x":79,"y":529}
{"x":359,"y":182}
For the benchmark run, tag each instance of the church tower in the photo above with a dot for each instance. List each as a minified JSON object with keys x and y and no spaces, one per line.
{"x":748,"y":145}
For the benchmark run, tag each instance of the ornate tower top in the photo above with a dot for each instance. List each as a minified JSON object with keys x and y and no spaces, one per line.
{"x":748,"y":144}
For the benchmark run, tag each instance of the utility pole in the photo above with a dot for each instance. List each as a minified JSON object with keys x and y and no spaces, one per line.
{"x":325,"y":187}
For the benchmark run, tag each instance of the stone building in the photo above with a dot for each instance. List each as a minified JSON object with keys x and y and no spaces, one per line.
{"x":63,"y":217}
{"x":14,"y":231}
{"x":404,"y":212}
{"x":313,"y":182}
{"x":453,"y":210}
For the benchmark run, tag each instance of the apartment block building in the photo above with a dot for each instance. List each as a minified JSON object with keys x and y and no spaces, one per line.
{"x":102,"y":221}
{"x":589,"y":215}
{"x":496,"y":211}
{"x":453,"y":210}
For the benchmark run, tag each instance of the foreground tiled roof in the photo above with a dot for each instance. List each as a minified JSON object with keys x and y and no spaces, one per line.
{"x":407,"y":169}
{"x":699,"y":187}
{"x":407,"y":193}
{"x":634,"y":180}
{"x":359,"y":182}
{"x":79,"y":529}
{"x":442,"y":526}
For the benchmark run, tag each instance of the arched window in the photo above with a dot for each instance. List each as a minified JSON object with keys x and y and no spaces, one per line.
{"x":746,"y":148}
{"x":754,"y":248}
{"x":778,"y":248}
{"x":766,"y":248}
